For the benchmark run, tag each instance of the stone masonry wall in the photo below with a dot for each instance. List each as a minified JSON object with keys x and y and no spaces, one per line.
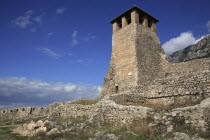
{"x":174,"y":90}
{"x":123,"y":65}
{"x":24,"y":113}
{"x":182,"y":89}
{"x":104,"y":111}
{"x":148,"y":55}
{"x":108,"y":111}
{"x":135,"y":59}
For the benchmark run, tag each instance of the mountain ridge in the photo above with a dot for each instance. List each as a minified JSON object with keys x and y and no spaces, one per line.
{"x":196,"y":51}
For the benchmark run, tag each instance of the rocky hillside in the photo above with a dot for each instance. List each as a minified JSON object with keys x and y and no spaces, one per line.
{"x":196,"y":51}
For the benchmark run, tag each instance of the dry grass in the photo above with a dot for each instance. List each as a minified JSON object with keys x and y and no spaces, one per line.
{"x":85,"y":102}
{"x":142,"y":129}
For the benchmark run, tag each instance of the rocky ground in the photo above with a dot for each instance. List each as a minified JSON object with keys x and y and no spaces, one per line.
{"x":175,"y":124}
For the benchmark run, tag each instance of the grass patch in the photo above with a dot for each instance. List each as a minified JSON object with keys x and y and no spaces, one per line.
{"x":6,"y":134}
{"x":116,"y":129}
{"x":21,"y":138}
{"x":141,"y":128}
{"x":85,"y":102}
{"x":2,"y":123}
{"x":138,"y":138}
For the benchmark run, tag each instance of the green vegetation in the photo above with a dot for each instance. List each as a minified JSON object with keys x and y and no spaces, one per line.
{"x":137,"y":130}
{"x":6,"y":134}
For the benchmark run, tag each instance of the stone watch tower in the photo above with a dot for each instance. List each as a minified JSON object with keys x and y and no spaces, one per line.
{"x":135,"y":60}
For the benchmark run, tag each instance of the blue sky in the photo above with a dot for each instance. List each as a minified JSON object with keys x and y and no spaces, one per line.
{"x":62,"y":48}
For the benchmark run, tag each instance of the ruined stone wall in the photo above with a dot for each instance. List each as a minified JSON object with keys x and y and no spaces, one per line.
{"x":104,"y":111}
{"x":108,"y":111}
{"x":183,"y":89}
{"x":23,"y":113}
{"x":67,"y":109}
{"x":174,"y":90}
{"x":193,"y":66}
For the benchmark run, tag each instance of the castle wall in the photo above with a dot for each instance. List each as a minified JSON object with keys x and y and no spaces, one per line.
{"x":179,"y":90}
{"x":23,"y":113}
{"x":104,"y":111}
{"x":173,"y":90}
{"x":197,"y":65}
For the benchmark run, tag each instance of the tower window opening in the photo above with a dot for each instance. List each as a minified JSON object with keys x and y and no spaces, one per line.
{"x":116,"y":89}
{"x":149,"y":23}
{"x":119,"y":23}
{"x":128,"y":18}
{"x":141,"y":19}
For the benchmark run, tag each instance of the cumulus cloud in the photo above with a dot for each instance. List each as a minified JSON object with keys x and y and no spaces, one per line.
{"x":60,"y":10}
{"x":208,"y":25}
{"x":50,"y":53}
{"x":22,"y":92}
{"x":28,"y":20}
{"x":74,"y":40}
{"x":184,"y":40}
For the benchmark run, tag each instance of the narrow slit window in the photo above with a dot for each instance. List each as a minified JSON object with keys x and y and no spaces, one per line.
{"x":141,"y":19}
{"x":116,"y":89}
{"x":128,"y":18}
{"x":119,"y":23}
{"x":149,"y":23}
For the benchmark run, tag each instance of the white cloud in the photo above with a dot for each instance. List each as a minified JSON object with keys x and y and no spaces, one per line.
{"x":74,"y":40}
{"x":20,"y":92}
{"x":184,"y":40}
{"x":27,"y":20}
{"x":38,"y":19}
{"x":60,"y":10}
{"x":50,"y":34}
{"x":89,"y":37}
{"x":208,"y":25}
{"x":50,"y":53}
{"x":23,"y":21}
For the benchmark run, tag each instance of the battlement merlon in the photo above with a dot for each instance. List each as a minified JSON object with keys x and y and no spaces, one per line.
{"x":134,"y":15}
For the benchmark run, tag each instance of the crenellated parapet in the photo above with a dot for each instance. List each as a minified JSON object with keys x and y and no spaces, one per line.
{"x":23,"y":113}
{"x":134,"y":15}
